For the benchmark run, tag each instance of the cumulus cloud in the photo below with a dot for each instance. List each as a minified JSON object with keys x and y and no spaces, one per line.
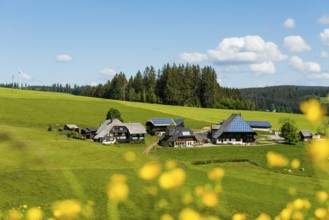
{"x":248,"y":49}
{"x":289,"y":23}
{"x":307,"y":67}
{"x":107,"y":71}
{"x":263,"y":68}
{"x":323,"y":54}
{"x":324,"y":36}
{"x":63,"y":58}
{"x":296,"y":44}
{"x":193,"y":57}
{"x":324,"y":19}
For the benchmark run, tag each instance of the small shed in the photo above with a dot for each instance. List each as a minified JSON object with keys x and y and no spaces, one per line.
{"x":89,"y":133}
{"x":305,"y":135}
{"x":71,"y":127}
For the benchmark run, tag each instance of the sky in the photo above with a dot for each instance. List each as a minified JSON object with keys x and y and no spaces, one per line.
{"x":251,"y":43}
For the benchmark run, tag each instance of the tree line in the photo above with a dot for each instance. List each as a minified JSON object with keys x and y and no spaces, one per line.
{"x":183,"y":85}
{"x":282,"y":98}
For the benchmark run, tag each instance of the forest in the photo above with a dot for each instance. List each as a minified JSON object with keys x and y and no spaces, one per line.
{"x":190,"y":85}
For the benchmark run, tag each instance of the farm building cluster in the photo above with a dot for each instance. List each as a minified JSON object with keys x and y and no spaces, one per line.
{"x":173,"y":133}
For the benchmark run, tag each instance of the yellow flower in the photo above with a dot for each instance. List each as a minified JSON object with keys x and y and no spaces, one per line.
{"x":319,"y":152}
{"x":297,"y":216}
{"x":199,"y":191}
{"x":34,"y":214}
{"x":14,"y":215}
{"x":68,"y":209}
{"x":216,"y":173}
{"x":285,"y":214}
{"x":150,"y":170}
{"x":295,"y":164}
{"x":172,"y":179}
{"x":239,"y":216}
{"x":298,"y":204}
{"x":321,"y":196}
{"x":189,"y":214}
{"x":276,"y":160}
{"x":166,"y":217}
{"x":313,"y":110}
{"x":306,"y":204}
{"x":210,"y":199}
{"x":263,"y":216}
{"x":187,"y":198}
{"x":117,"y":189}
{"x":130,"y":156}
{"x":321,"y":213}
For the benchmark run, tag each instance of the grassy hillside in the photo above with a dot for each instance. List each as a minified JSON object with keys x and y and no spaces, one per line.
{"x":38,"y":167}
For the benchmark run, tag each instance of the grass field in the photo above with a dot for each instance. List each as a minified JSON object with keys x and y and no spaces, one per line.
{"x":38,"y":167}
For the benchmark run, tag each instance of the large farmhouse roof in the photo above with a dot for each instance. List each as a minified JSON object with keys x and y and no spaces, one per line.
{"x":234,"y":124}
{"x":106,"y":127}
{"x":165,"y":121}
{"x":305,"y":133}
{"x":259,"y":124}
{"x":135,"y":128}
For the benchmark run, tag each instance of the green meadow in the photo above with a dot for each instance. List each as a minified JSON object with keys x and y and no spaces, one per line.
{"x":39,"y":167}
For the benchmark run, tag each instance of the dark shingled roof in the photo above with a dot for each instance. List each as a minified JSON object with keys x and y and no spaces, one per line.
{"x":259,"y":124}
{"x":172,"y":134}
{"x":305,"y":133}
{"x":165,"y":121}
{"x":234,"y":124}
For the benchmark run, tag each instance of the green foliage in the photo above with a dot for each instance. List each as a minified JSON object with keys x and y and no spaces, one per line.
{"x":50,"y":128}
{"x":114,"y":113}
{"x":289,"y":132}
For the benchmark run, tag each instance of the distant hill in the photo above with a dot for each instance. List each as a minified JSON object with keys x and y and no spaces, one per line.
{"x":285,"y":98}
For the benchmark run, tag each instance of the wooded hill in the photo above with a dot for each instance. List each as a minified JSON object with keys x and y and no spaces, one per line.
{"x":282,"y":98}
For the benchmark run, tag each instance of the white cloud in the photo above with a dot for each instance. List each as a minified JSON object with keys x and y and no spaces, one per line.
{"x":324,"y":36}
{"x":304,"y":67}
{"x":263,"y":68}
{"x":296,"y":44}
{"x":24,"y":76}
{"x":248,"y":49}
{"x":323,"y":54}
{"x":319,"y":76}
{"x":193,"y":57}
{"x":289,"y":23}
{"x":107,"y":71}
{"x":324,"y":19}
{"x":232,"y":69}
{"x":63,"y":58}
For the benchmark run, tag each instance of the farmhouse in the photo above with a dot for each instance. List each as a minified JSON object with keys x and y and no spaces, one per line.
{"x":71,"y":127}
{"x":178,"y":137}
{"x":305,"y":135}
{"x":160,"y":125}
{"x":112,"y":131}
{"x":260,"y":125}
{"x":233,"y":130}
{"x":89,"y":133}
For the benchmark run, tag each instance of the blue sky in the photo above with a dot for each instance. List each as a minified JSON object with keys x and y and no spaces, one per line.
{"x":249,"y":43}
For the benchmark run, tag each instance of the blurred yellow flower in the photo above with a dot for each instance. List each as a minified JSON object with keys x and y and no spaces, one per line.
{"x":67,"y":209}
{"x":297,"y":216}
{"x":210,"y":199}
{"x":306,"y":204}
{"x":295,"y":164}
{"x":172,"y":179}
{"x":239,"y":216}
{"x":150,"y":170}
{"x":313,"y":110}
{"x":216,"y":173}
{"x":321,"y":213}
{"x":117,"y":189}
{"x":276,"y":160}
{"x":187,"y":198}
{"x":13,"y":214}
{"x":263,"y":216}
{"x":199,"y":191}
{"x":285,"y":214}
{"x":321,"y":196}
{"x":298,"y":204}
{"x":130,"y":156}
{"x":34,"y":214}
{"x":166,"y":217}
{"x":319,"y":152}
{"x":189,"y":214}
